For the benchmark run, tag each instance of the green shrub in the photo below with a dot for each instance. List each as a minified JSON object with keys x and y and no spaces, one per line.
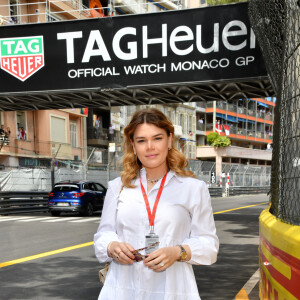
{"x":212,"y":137}
{"x":221,"y":141}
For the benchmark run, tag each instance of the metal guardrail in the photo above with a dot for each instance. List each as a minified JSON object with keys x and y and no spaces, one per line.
{"x":26,"y":202}
{"x":215,"y":192}
{"x":23,"y":202}
{"x":247,"y":190}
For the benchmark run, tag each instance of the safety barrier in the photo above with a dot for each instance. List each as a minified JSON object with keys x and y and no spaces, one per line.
{"x":26,"y":202}
{"x":279,"y":258}
{"x":215,"y":192}
{"x":23,"y":202}
{"x":244,"y":190}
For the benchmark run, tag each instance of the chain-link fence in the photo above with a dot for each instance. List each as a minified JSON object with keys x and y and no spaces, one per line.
{"x":102,"y":170}
{"x":204,"y":170}
{"x":276,"y":25}
{"x":247,"y":175}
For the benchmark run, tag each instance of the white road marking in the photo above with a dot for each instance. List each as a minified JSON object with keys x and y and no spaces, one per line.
{"x":35,"y":219}
{"x":60,"y":219}
{"x":14,"y":219}
{"x":251,"y":283}
{"x":85,"y":220}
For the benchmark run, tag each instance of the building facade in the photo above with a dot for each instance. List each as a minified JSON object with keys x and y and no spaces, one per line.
{"x":247,"y":122}
{"x":33,"y":138}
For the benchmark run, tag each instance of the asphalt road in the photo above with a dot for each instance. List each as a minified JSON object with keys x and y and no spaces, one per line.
{"x":73,"y":274}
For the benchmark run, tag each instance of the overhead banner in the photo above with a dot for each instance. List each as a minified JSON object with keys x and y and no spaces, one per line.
{"x":195,"y":45}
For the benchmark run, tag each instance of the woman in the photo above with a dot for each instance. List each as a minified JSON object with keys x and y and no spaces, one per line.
{"x":154,"y":179}
{"x":7,"y":132}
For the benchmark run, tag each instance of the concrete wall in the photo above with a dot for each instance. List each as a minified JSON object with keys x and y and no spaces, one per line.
{"x":233,"y":151}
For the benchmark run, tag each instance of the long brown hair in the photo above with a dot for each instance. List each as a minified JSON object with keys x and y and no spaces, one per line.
{"x":176,"y":160}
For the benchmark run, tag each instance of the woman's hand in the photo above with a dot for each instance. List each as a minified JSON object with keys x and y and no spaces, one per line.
{"x":161,"y":259}
{"x":121,"y":253}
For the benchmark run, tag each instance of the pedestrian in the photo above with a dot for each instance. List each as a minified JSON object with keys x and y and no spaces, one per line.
{"x":2,"y":131}
{"x":7,"y":132}
{"x":111,"y":132}
{"x":19,"y":134}
{"x":155,"y":203}
{"x":23,"y":133}
{"x":97,"y":127}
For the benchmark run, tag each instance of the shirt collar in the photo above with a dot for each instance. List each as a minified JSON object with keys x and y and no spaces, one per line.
{"x":170,"y":175}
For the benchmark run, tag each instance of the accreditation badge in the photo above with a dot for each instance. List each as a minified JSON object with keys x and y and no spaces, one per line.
{"x":150,"y":239}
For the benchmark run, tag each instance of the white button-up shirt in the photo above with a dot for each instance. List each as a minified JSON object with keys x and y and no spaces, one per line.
{"x":183,"y":217}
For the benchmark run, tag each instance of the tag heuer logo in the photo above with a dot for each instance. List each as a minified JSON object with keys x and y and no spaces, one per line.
{"x":22,"y":57}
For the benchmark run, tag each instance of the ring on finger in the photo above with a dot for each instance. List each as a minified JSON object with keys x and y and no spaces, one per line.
{"x":117,"y":256}
{"x":162,"y":264}
{"x":119,"y":252}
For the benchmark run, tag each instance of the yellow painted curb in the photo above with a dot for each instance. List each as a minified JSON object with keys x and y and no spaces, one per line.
{"x":242,"y":295}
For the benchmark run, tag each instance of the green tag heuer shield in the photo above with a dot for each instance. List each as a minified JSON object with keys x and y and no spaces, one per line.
{"x":22,"y":57}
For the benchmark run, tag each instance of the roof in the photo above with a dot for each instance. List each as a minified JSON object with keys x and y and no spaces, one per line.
{"x":139,"y":95}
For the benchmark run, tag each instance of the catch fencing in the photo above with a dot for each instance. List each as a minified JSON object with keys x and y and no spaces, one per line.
{"x":276,"y":26}
{"x":39,"y":178}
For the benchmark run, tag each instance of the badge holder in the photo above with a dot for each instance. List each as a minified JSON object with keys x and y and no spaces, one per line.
{"x":150,"y":239}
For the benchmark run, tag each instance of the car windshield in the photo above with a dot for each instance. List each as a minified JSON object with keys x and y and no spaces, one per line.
{"x":65,"y":188}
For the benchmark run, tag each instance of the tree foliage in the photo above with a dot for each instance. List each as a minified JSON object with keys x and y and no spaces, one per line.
{"x":222,"y":141}
{"x":216,"y":140}
{"x":212,"y":137}
{"x":219,"y":2}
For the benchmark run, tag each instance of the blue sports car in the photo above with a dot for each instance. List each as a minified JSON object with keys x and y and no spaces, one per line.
{"x":84,"y":197}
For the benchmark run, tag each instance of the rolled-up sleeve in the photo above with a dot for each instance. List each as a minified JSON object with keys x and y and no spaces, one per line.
{"x":203,"y":240}
{"x":107,"y":229}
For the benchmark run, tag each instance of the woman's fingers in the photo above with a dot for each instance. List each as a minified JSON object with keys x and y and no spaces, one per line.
{"x":127,"y":249}
{"x":122,"y":253}
{"x":161,"y":259}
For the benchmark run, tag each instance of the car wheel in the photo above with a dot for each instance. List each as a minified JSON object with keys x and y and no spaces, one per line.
{"x":55,"y":213}
{"x":89,"y":210}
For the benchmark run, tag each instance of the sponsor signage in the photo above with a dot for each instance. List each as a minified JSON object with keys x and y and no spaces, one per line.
{"x":22,"y":57}
{"x":195,"y":45}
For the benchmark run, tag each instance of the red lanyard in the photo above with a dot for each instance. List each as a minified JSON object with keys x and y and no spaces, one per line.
{"x":151,"y":216}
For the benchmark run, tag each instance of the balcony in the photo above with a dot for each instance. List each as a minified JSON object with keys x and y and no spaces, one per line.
{"x":209,"y":127}
{"x":201,"y":104}
{"x":200,"y":127}
{"x":210,"y":104}
{"x":4,"y":141}
{"x":241,"y":131}
{"x":232,"y":108}
{"x":221,"y":105}
{"x":260,"y":134}
{"x":251,"y":133}
{"x":101,"y":137}
{"x":251,"y":113}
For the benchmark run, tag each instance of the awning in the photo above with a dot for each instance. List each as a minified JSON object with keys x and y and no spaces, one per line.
{"x":263,"y":104}
{"x":187,"y":140}
{"x":231,"y":119}
{"x":228,"y":118}
{"x":246,"y":120}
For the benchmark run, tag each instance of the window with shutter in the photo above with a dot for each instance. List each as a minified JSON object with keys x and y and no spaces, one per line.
{"x":58,"y":129}
{"x":73,"y":134}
